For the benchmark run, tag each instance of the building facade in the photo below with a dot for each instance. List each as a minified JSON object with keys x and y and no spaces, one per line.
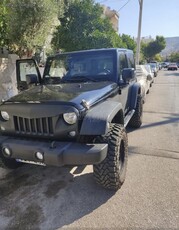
{"x":113,"y":17}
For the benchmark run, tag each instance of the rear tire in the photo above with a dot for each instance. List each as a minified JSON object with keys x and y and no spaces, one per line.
{"x":136,"y":120}
{"x":111,"y":172}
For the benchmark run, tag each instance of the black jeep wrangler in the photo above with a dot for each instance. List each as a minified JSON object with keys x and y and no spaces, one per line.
{"x":75,"y":114}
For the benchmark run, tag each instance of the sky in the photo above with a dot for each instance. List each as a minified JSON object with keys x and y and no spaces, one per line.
{"x":159,"y":17}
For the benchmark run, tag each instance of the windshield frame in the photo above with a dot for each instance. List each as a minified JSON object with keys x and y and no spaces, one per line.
{"x":96,"y":54}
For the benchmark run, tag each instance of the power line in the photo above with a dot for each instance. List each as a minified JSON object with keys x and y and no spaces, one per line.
{"x":124,"y":5}
{"x":120,"y":8}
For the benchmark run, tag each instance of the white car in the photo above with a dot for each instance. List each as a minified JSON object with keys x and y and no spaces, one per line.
{"x":172,"y":66}
{"x":150,"y":72}
{"x":154,"y":68}
{"x":144,"y":80}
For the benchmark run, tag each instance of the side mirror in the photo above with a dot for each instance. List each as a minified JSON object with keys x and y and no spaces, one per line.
{"x":31,"y":79}
{"x":27,"y":72}
{"x":128,"y":74}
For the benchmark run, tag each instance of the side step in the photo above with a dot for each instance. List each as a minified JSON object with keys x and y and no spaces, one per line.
{"x":128,"y":117}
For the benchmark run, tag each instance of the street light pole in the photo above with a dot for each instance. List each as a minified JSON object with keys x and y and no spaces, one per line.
{"x":139,"y":32}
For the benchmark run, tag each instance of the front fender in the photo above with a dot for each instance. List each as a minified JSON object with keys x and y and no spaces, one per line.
{"x":134,"y":91}
{"x":97,"y":119}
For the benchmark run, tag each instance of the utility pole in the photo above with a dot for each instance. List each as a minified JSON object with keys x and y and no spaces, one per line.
{"x":139,"y":32}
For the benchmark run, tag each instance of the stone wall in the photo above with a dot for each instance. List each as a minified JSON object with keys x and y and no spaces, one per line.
{"x":8,"y":83}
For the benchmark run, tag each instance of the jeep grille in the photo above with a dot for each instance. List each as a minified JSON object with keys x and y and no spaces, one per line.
{"x":35,"y":126}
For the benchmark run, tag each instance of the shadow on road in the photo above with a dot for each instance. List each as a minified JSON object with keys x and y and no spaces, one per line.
{"x":172,"y":73}
{"x":153,"y":152}
{"x":34,"y":197}
{"x":169,"y":118}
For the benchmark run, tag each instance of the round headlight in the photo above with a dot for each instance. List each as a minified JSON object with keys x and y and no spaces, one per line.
{"x":5,"y":115}
{"x":70,"y":118}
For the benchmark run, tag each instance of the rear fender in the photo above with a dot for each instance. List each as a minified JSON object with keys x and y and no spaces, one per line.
{"x":97,"y":119}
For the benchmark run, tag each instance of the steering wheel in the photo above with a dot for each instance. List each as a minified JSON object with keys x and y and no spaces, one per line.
{"x":105,"y":72}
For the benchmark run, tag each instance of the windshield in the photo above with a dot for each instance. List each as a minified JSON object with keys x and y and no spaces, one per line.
{"x":80,"y":67}
{"x":153,"y":65}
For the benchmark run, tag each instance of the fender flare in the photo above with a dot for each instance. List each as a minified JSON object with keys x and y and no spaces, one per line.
{"x":134,"y":91}
{"x":97,"y":119}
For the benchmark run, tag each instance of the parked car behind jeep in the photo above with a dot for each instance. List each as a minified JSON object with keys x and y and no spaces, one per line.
{"x":75,"y":114}
{"x":149,"y":73}
{"x":144,"y":79}
{"x":154,"y":68}
{"x":172,"y":66}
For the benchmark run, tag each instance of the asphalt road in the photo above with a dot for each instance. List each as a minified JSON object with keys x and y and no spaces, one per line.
{"x":35,"y":197}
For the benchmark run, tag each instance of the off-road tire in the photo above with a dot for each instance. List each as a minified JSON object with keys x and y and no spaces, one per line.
{"x":136,"y":120}
{"x":8,"y":163}
{"x":111,"y":172}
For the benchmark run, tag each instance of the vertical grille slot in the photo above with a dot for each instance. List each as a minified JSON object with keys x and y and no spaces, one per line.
{"x":50,"y":125}
{"x":27,"y":125}
{"x":36,"y":126}
{"x":16,"y":124}
{"x":21,"y":124}
{"x":44,"y":125}
{"x":32,"y":124}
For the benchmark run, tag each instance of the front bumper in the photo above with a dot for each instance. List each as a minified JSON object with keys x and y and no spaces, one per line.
{"x":55,"y":153}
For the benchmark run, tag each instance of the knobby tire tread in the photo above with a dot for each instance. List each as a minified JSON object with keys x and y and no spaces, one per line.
{"x":108,"y":173}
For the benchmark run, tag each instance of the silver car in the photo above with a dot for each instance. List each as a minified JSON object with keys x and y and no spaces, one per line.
{"x":149,"y":72}
{"x":154,"y":68}
{"x":144,"y":79}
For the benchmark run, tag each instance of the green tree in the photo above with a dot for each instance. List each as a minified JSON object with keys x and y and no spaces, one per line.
{"x":30,"y":22}
{"x":129,"y":42}
{"x":153,"y":47}
{"x":3,"y":23}
{"x":158,"y":58}
{"x":174,"y":57}
{"x":83,"y":27}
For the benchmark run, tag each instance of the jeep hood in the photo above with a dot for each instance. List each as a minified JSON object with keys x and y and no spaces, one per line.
{"x":66,"y":93}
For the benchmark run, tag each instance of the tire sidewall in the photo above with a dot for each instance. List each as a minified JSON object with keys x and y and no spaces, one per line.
{"x":111,"y":172}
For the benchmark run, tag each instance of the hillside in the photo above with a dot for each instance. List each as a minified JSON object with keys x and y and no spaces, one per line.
{"x":172,"y":45}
